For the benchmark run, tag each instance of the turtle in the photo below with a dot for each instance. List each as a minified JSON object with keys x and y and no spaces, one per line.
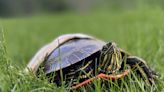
{"x":80,"y":59}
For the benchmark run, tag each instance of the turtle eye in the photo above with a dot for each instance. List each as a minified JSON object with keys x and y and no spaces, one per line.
{"x":104,"y":48}
{"x":107,"y":48}
{"x":109,"y":44}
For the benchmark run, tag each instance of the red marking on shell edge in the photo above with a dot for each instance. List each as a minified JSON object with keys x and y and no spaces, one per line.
{"x":102,"y":76}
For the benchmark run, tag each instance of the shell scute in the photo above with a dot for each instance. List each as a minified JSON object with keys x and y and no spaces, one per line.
{"x":71,"y":52}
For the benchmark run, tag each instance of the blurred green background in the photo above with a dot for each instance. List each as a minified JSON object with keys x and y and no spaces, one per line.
{"x":135,"y":25}
{"x":10,"y":8}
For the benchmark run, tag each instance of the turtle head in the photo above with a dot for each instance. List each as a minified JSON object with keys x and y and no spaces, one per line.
{"x":111,"y":58}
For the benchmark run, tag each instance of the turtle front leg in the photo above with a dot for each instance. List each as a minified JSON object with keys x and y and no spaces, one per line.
{"x":141,"y":68}
{"x":102,"y":76}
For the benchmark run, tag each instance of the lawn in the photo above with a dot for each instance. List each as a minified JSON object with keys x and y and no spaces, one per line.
{"x":138,"y":31}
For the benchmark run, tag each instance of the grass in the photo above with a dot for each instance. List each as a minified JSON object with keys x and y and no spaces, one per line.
{"x":139,"y":32}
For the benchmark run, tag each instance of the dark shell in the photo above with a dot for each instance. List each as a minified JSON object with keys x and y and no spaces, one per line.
{"x":71,"y":52}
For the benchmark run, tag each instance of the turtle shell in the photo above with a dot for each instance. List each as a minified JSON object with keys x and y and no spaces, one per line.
{"x":72,"y":52}
{"x":69,"y":44}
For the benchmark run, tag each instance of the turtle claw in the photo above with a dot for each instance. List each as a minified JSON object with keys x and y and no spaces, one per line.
{"x":142,"y":69}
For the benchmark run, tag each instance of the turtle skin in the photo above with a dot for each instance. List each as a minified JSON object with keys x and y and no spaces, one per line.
{"x":139,"y":66}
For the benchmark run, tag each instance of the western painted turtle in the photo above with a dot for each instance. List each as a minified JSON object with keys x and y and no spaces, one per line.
{"x":80,"y":59}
